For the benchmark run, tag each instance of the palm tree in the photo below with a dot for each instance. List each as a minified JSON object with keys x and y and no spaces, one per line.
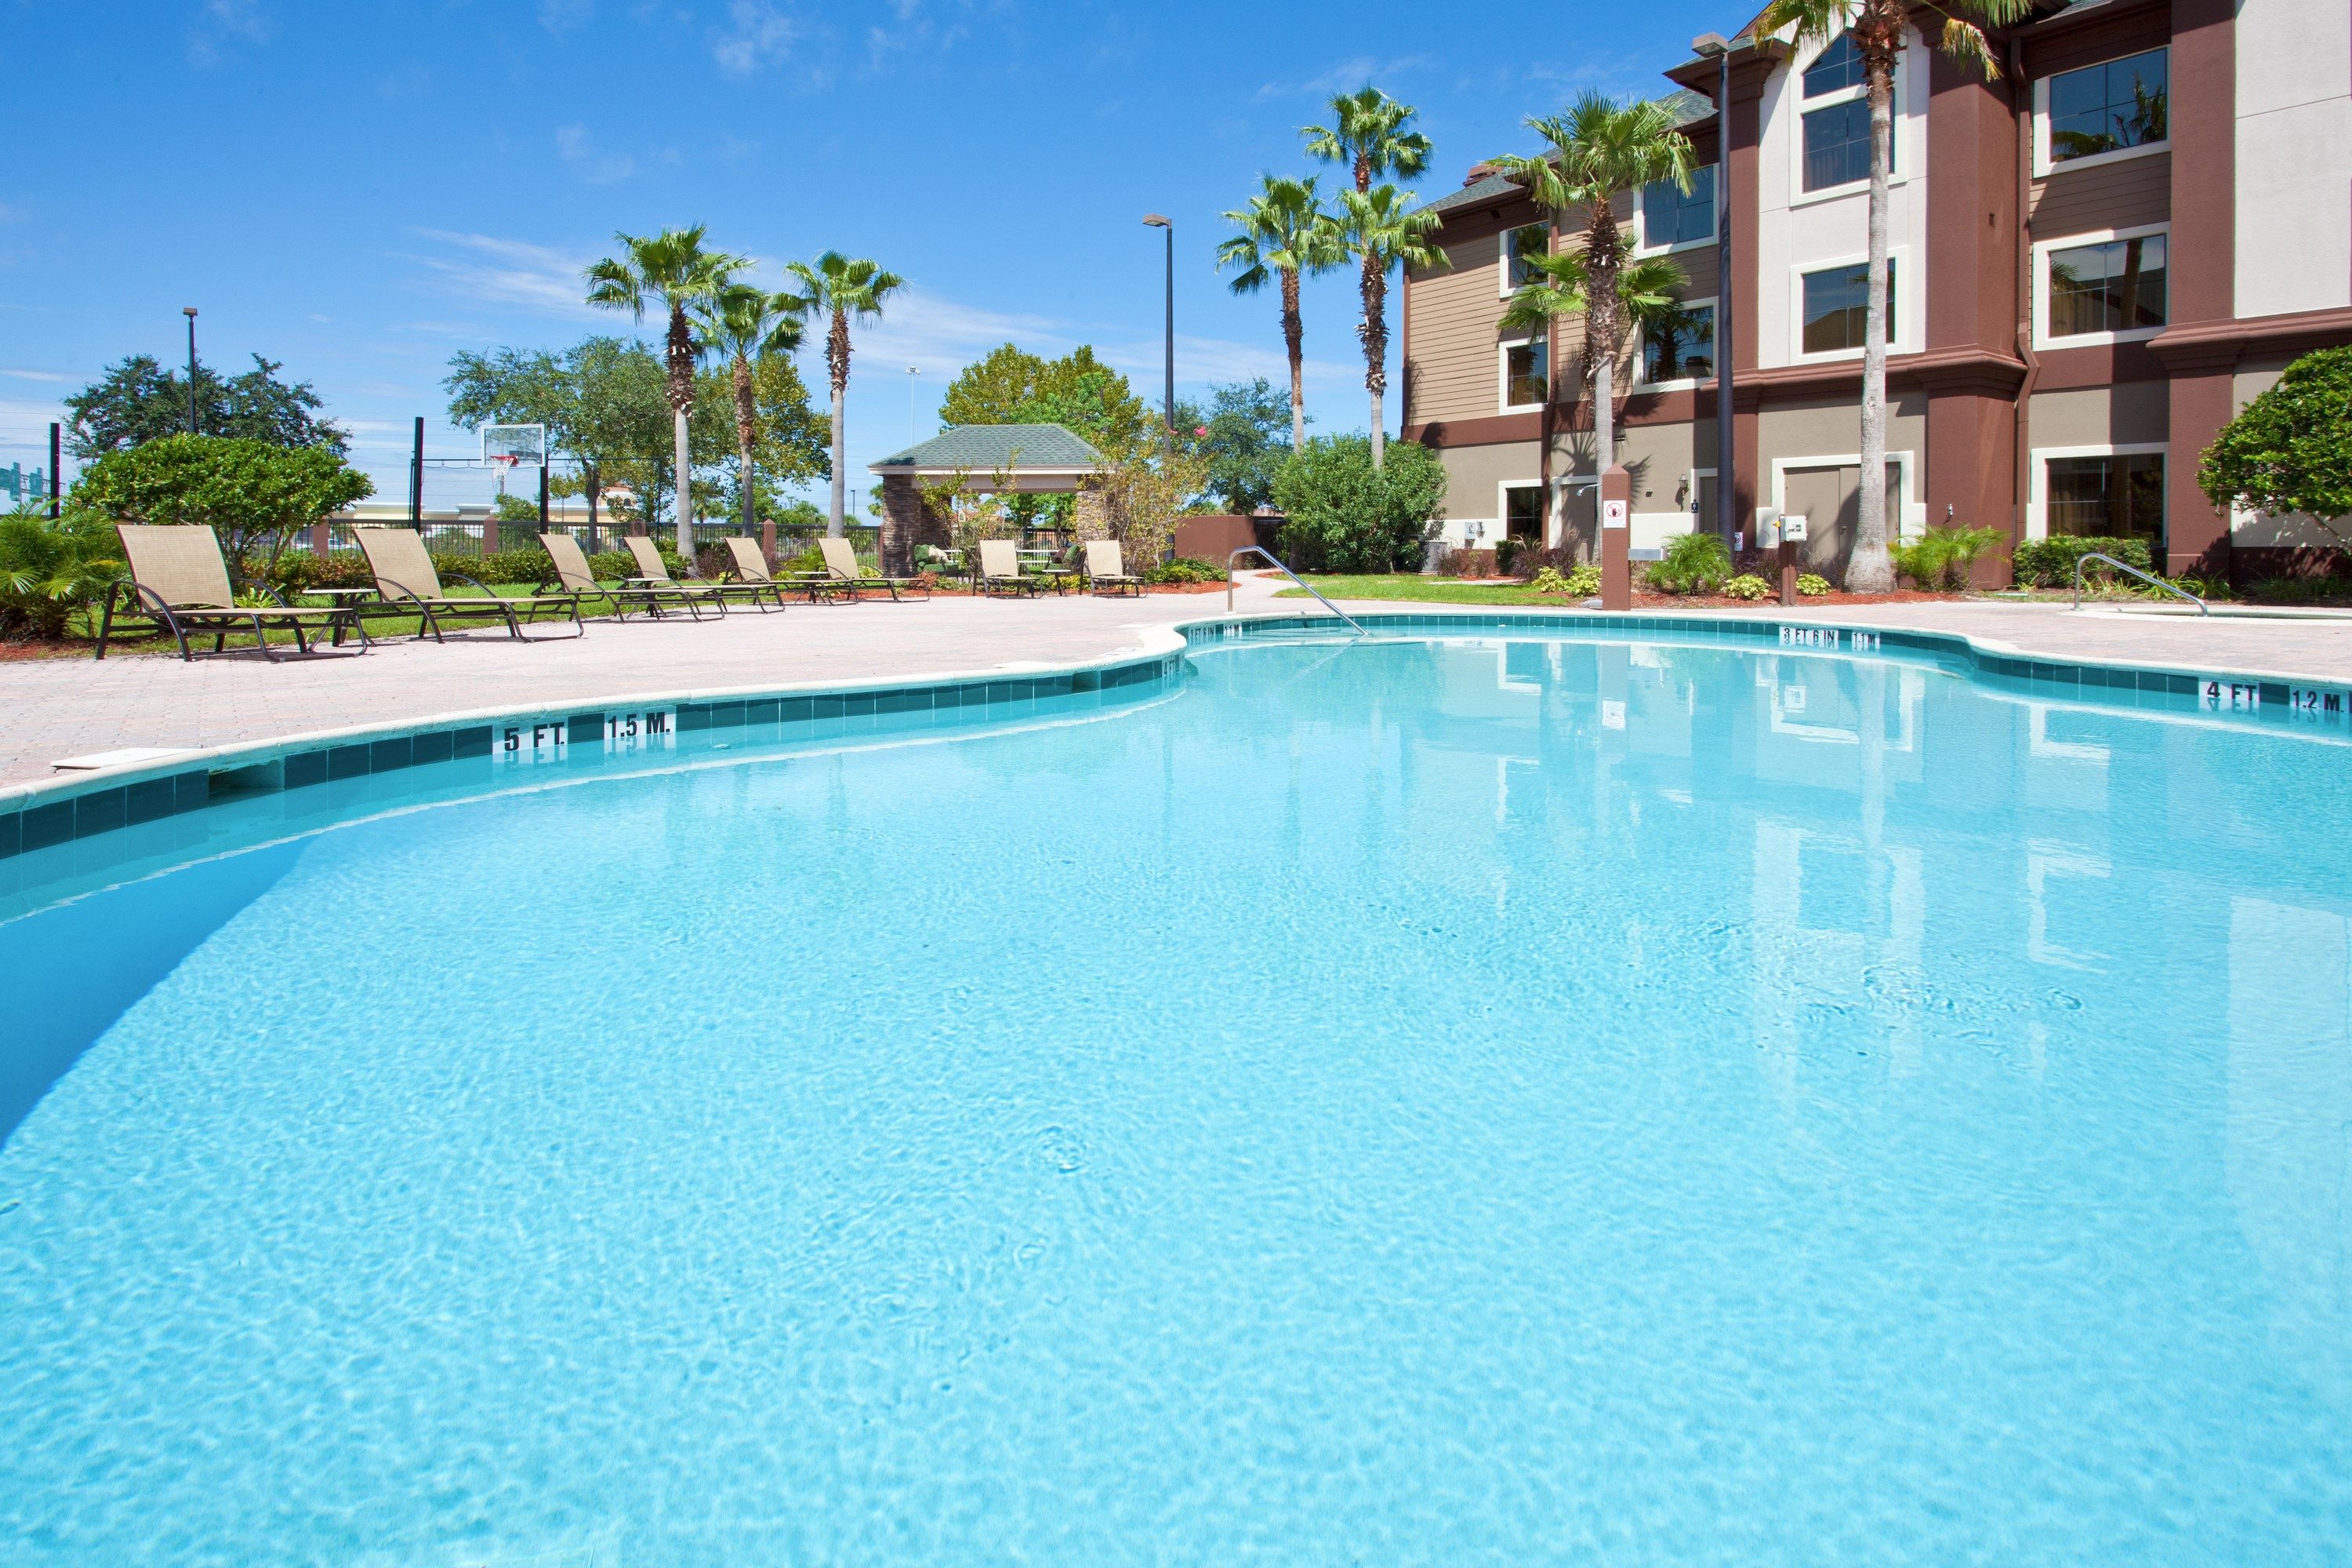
{"x":746,"y":324}
{"x":1601,"y":150}
{"x":1286,"y":234}
{"x":1878,"y":28}
{"x":1368,"y":135}
{"x":838,"y":286}
{"x":1561,"y":284}
{"x":673,"y":270}
{"x":1381,"y":229}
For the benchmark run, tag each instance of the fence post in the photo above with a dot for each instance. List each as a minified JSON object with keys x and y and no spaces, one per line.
{"x":490,"y":534}
{"x":320,"y":536}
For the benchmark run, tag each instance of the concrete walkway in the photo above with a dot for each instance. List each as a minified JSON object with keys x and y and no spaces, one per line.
{"x":55,"y":709}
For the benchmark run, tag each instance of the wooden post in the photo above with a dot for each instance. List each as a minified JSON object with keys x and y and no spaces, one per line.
{"x":1616,"y":538}
{"x":768,"y":542}
{"x":490,"y":534}
{"x":1792,"y":533}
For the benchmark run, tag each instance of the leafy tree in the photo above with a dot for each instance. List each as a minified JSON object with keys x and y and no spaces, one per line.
{"x":1601,"y":150}
{"x":51,"y":567}
{"x":672,"y":271}
{"x":1380,"y":229}
{"x":138,"y":400}
{"x":253,"y":494}
{"x":749,"y":327}
{"x":841,"y":289}
{"x":1878,"y":28}
{"x":1011,"y":387}
{"x":1343,"y":514}
{"x":2290,"y":450}
{"x":1239,"y":438}
{"x":1561,"y":284}
{"x":603,"y":400}
{"x":1286,"y":235}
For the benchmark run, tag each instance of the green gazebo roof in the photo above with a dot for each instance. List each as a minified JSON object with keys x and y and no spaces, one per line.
{"x":983,"y":449}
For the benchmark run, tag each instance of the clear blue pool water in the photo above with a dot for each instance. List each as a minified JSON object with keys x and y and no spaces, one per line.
{"x":1413,"y":1102}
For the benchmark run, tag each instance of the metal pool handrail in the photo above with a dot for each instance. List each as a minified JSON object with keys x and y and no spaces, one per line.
{"x":2149,"y":578}
{"x":1267,"y":557}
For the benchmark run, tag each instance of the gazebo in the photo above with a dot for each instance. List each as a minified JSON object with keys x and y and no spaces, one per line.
{"x":1024,"y":459}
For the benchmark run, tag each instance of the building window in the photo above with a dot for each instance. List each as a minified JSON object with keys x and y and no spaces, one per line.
{"x":1518,"y":244}
{"x":1837,"y":304}
{"x":2115,"y":497}
{"x":1680,"y":345}
{"x":1673,"y":216}
{"x":1835,"y":68}
{"x":1523,"y":512}
{"x":2107,"y":108}
{"x":2114,"y":286}
{"x":1527,"y":374}
{"x":1837,"y":146}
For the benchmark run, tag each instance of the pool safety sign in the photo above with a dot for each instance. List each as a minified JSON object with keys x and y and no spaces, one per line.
{"x":525,"y":742}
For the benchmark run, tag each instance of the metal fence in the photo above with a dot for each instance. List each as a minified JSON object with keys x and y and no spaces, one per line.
{"x":466,"y":538}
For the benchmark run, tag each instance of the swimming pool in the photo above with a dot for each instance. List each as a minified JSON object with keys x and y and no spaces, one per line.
{"x":1476,"y":1100}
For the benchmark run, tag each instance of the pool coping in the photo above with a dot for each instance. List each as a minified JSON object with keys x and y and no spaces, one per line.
{"x":37,"y":814}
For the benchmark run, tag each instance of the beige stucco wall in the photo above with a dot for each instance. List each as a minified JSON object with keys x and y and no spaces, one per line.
{"x":1834,"y":429}
{"x":1476,"y":472}
{"x":2128,"y":412}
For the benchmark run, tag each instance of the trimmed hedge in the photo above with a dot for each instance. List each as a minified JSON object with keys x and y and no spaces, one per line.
{"x":2049,"y":562}
{"x":298,"y":569}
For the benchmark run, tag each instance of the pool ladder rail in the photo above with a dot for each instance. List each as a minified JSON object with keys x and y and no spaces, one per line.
{"x":1262,"y":554}
{"x":2149,"y":578}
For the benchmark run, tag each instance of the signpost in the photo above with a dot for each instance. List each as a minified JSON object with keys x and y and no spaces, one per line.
{"x":1792,"y":533}
{"x":1616,"y":538}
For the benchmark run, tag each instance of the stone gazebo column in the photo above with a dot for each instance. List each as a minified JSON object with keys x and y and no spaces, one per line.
{"x":1089,"y":513}
{"x":907,"y":520}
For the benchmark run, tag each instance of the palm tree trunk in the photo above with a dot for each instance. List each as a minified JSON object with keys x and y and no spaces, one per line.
{"x":836,"y":360}
{"x":747,"y":412}
{"x":1375,"y":334}
{"x":685,"y":490}
{"x":1869,"y":570}
{"x":1294,"y":338}
{"x":836,"y":525}
{"x":1600,"y":330}
{"x":1604,"y":412}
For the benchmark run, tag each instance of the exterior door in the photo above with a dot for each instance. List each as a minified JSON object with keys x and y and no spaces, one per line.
{"x":1830,"y":501}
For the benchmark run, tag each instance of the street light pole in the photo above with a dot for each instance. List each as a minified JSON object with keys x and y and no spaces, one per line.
{"x":1153,"y":220}
{"x":1726,"y":500}
{"x":190,"y":312}
{"x":912,"y":372}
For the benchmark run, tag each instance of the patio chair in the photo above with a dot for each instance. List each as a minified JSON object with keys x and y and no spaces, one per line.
{"x":179,"y":581}
{"x":653,"y":573}
{"x":406,"y":578}
{"x":999,"y":570}
{"x":843,"y":575}
{"x":751,"y":570}
{"x":1107,"y":569}
{"x":576,"y":577}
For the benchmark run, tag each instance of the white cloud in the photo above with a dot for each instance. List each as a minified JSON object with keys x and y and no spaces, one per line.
{"x":1348,"y":75}
{"x":577,"y":148}
{"x":224,"y":23}
{"x":758,"y":35}
{"x":36,"y":375}
{"x":483,"y":266}
{"x":559,"y":17}
{"x":940,"y":336}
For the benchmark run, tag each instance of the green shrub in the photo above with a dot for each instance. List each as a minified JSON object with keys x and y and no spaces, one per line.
{"x":1579,"y":582}
{"x":2327,"y":590}
{"x":255,"y":496}
{"x":1693,"y":562}
{"x":2049,"y":562}
{"x":1811,"y":586}
{"x":49,"y":570}
{"x":1344,"y":515}
{"x":1747,"y":586}
{"x":1186,"y":569}
{"x":1942,"y":558}
{"x":299,"y":570}
{"x":2290,"y":450}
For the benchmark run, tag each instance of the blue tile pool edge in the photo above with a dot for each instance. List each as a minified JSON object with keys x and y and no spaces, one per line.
{"x":37,"y":815}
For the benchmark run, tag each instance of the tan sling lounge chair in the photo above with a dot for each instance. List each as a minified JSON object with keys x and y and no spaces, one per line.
{"x":572,"y":571}
{"x":406,"y":578}
{"x":751,"y":568}
{"x":178,"y":580}
{"x":653,"y":573}
{"x":999,"y":570}
{"x":842,"y":574}
{"x":1107,"y":569}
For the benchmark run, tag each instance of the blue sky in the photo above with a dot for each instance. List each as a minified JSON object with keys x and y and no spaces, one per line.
{"x":360,"y":190}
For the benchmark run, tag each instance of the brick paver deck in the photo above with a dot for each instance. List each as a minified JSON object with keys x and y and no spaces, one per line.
{"x":55,"y":709}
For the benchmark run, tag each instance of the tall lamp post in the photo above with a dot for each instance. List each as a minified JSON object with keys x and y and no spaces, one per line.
{"x":1714,"y":47}
{"x":1153,"y":220}
{"x":190,"y":312}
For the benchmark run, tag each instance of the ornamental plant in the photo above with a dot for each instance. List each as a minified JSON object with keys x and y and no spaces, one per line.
{"x":1811,"y":585}
{"x":2290,"y":450}
{"x":1345,"y":515}
{"x":1748,"y":586}
{"x":1693,"y":563}
{"x":252,"y":494}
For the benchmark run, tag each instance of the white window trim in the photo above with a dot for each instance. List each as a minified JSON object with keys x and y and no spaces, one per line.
{"x":1503,"y":489}
{"x":1714,"y":223}
{"x":1503,"y":287}
{"x":1906,"y":154}
{"x":1898,"y":259}
{"x":1910,"y":515}
{"x":2037,"y":506}
{"x":1681,"y":382}
{"x":2042,"y":248}
{"x":1502,"y":373}
{"x":2043,"y":167}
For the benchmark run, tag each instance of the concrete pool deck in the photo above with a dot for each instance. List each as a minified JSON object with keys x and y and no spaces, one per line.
{"x":51,"y":709}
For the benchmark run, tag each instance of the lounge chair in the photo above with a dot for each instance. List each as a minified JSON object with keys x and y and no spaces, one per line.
{"x":999,"y":570}
{"x":1107,"y":569}
{"x":750,"y":571}
{"x":842,"y":573}
{"x":653,"y":573}
{"x":179,"y":581}
{"x":575,"y":576}
{"x":406,"y":577}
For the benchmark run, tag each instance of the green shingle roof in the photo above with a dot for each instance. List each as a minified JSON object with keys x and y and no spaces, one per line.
{"x":988,"y":448}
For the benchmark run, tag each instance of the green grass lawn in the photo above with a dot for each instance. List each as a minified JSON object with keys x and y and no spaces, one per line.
{"x":1444,"y":590}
